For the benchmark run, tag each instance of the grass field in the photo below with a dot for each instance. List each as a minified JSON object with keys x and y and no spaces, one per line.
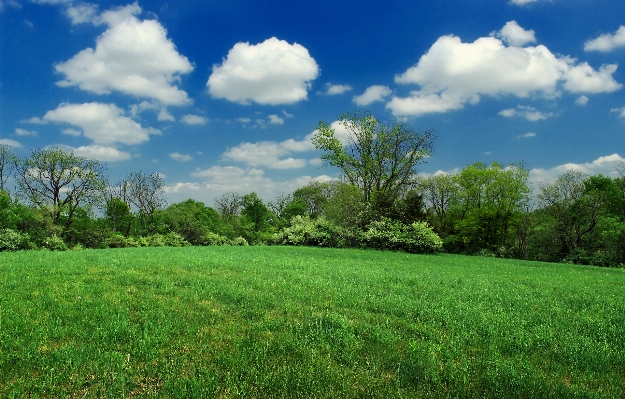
{"x":270,"y":322}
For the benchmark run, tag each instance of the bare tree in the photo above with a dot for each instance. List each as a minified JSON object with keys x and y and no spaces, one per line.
{"x":60,"y":182}
{"x":229,"y":204}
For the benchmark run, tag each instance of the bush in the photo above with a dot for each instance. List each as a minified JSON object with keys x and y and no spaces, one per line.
{"x":387,"y":234}
{"x":11,"y":240}
{"x":312,"y":232}
{"x":117,"y":240}
{"x":54,"y":243}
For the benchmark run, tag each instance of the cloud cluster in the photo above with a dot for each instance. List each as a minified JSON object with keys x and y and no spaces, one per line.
{"x":101,"y":153}
{"x":193,"y":120}
{"x":333,"y":90}
{"x":607,"y":42}
{"x":270,"y":154}
{"x":452,"y":73}
{"x":132,"y":57}
{"x":605,"y":165}
{"x":271,"y":72}
{"x":105,"y":124}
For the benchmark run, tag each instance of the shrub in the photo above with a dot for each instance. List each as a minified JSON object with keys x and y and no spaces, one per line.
{"x":54,"y":243}
{"x":312,"y":232}
{"x":11,"y":240}
{"x":117,"y":240}
{"x":387,"y":234}
{"x":239,"y":241}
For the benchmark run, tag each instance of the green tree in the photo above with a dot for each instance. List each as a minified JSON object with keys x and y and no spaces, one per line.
{"x":59,"y":182}
{"x":191,"y":219}
{"x":8,"y":163}
{"x":377,"y":158}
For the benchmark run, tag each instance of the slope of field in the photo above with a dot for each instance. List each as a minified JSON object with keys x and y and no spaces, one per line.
{"x":306,"y":322}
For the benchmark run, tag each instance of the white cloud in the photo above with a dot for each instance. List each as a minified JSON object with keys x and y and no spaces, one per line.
{"x":72,"y":132}
{"x":516,"y":36}
{"x":453,"y":73}
{"x":521,"y":2}
{"x":269,"y":154}
{"x":101,"y":153}
{"x":102,"y":123}
{"x":133,"y":57}
{"x":372,"y":94}
{"x":180,"y":157}
{"x":605,"y":165}
{"x":221,"y":179}
{"x":82,"y":13}
{"x":619,"y":111}
{"x":271,"y":72}
{"x":11,"y":143}
{"x":607,"y":42}
{"x":276,"y":120}
{"x":24,"y":132}
{"x":529,"y":113}
{"x":243,"y":120}
{"x":287,"y":114}
{"x":35,"y":120}
{"x":194,"y":120}
{"x":164,"y":115}
{"x":581,"y":101}
{"x":527,"y":135}
{"x":332,"y":90}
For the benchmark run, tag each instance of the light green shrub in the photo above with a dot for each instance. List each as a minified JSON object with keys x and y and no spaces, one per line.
{"x":54,"y":243}
{"x":11,"y":240}
{"x":312,"y":232}
{"x":388,"y":234}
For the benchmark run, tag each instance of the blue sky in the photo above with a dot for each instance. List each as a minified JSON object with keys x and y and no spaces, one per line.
{"x":224,"y":95}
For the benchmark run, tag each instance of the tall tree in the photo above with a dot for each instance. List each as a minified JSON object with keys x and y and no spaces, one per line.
{"x":59,"y":182}
{"x":377,"y":158}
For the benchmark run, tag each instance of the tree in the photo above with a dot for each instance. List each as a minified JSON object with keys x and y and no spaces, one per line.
{"x":440,"y":191}
{"x":379,"y":159}
{"x":8,"y":162}
{"x":60,"y":181}
{"x":229,"y":204}
{"x":191,"y":219}
{"x":256,"y":212}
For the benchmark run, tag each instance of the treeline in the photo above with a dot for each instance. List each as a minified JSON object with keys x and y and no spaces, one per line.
{"x":62,"y":201}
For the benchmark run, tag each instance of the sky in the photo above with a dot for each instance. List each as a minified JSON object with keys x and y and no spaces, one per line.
{"x":224,"y":96}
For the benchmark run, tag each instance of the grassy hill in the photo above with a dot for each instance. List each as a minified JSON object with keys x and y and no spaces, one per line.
{"x":261,"y":322}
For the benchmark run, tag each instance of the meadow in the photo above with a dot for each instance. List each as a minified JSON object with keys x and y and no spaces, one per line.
{"x":296,"y":322}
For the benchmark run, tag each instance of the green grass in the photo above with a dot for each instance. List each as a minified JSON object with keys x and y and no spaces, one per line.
{"x":270,"y":322}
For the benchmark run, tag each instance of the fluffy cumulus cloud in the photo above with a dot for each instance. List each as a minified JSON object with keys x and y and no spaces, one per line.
{"x":105,"y":124}
{"x":132,"y":57}
{"x":516,"y":36}
{"x":269,"y":154}
{"x":619,"y":111}
{"x":276,"y":120}
{"x":452,"y":74}
{"x":193,"y":120}
{"x":529,"y":113}
{"x":607,"y":42}
{"x":605,"y":165}
{"x":372,"y":94}
{"x":581,"y":101}
{"x":271,"y":72}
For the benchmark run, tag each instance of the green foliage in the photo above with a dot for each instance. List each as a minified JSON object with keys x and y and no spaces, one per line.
{"x":319,"y":232}
{"x":388,"y":234}
{"x":11,"y":240}
{"x":54,"y":243}
{"x":192,"y":219}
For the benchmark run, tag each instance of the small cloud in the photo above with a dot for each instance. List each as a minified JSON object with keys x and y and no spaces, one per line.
{"x":619,"y":111}
{"x":72,"y":132}
{"x":35,"y":121}
{"x":522,"y":2}
{"x":488,"y":152}
{"x":29,"y":23}
{"x":527,"y":135}
{"x":581,"y":101}
{"x":276,"y":120}
{"x":287,"y":114}
{"x":243,"y":120}
{"x":332,"y":90}
{"x":529,"y":113}
{"x":10,"y":143}
{"x":372,"y":94}
{"x":194,"y":120}
{"x":164,"y":115}
{"x":607,"y":42}
{"x":101,"y":153}
{"x":180,"y":157}
{"x":24,"y":132}
{"x":516,"y":36}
